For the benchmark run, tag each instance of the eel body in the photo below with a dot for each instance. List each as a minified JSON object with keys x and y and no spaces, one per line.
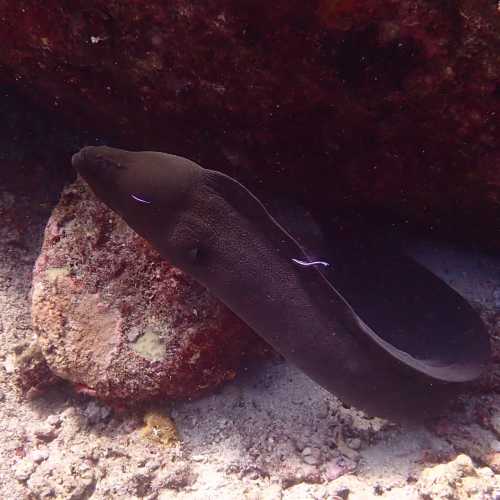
{"x":209,"y":225}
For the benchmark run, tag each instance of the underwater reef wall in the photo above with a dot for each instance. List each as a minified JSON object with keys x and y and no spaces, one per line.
{"x":381,"y":104}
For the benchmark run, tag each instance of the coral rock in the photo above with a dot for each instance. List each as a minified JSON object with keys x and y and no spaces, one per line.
{"x":458,"y":479}
{"x":117,"y":320}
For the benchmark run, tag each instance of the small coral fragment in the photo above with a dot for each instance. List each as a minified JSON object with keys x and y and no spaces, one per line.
{"x":32,"y":374}
{"x":160,"y":429}
{"x":456,"y":479}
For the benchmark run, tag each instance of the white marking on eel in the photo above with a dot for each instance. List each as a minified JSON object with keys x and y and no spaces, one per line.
{"x":313,"y":263}
{"x":140,"y":200}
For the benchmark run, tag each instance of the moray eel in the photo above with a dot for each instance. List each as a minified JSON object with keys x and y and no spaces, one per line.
{"x":213,"y":228}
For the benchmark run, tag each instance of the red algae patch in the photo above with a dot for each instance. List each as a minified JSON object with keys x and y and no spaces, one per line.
{"x":113,"y":317}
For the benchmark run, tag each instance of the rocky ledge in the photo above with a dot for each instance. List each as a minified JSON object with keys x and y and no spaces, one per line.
{"x":341,"y":104}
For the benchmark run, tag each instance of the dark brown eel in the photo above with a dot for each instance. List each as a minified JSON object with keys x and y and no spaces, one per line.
{"x":213,"y":228}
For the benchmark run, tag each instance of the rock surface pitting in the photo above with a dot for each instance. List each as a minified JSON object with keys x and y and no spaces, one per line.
{"x":113,"y":317}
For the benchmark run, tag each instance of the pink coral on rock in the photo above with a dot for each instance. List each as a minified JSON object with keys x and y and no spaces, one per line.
{"x":114,"y":318}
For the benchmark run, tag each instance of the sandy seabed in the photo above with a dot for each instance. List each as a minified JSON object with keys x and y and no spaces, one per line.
{"x":271,"y":434}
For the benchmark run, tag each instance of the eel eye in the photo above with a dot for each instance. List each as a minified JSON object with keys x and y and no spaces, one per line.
{"x":194,"y":254}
